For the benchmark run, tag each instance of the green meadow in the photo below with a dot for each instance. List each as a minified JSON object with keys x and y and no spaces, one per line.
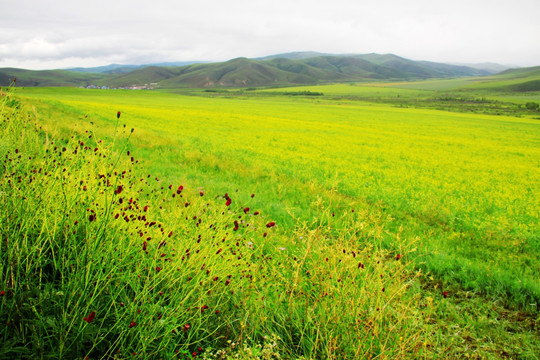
{"x":392,"y":221}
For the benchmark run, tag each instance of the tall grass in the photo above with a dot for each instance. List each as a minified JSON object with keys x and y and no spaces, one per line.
{"x":101,"y":260}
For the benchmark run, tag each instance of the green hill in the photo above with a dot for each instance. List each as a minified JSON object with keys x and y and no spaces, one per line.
{"x":512,"y":80}
{"x":48,"y":77}
{"x":291,"y":69}
{"x":284,"y":71}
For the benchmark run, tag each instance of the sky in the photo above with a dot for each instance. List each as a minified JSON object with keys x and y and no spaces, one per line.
{"x":51,"y":34}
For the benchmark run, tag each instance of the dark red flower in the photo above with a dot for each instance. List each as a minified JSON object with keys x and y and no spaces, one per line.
{"x":445,"y":294}
{"x":246,"y":209}
{"x":118,"y":115}
{"x":201,"y":193}
{"x":119,"y":190}
{"x":229,"y":201}
{"x":398,"y":256}
{"x":158,"y":269}
{"x":132,"y":324}
{"x":92,"y":217}
{"x":90,"y":317}
{"x":270,"y":224}
{"x":186,"y":327}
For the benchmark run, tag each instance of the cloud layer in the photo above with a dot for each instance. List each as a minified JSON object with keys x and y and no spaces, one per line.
{"x":58,"y":33}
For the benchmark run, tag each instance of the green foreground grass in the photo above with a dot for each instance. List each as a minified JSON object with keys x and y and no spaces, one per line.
{"x":104,"y":255}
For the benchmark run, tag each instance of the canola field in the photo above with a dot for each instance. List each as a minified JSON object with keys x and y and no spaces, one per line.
{"x":464,"y":186}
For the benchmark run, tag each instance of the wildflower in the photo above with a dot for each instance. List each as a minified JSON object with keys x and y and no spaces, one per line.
{"x":201,"y":193}
{"x":90,"y":317}
{"x":270,"y":224}
{"x":118,"y":115}
{"x":119,"y":189}
{"x":186,"y":327}
{"x":132,"y":324}
{"x":229,"y":201}
{"x":158,"y":269}
{"x":398,"y":256}
{"x":444,"y":294}
{"x":92,"y":217}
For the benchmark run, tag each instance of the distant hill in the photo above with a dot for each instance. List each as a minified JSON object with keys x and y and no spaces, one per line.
{"x":123,"y":69}
{"x":512,"y":80}
{"x":287,"y":71}
{"x":297,"y":55}
{"x":107,"y":69}
{"x":492,"y":67}
{"x":277,"y":70}
{"x":48,"y":77}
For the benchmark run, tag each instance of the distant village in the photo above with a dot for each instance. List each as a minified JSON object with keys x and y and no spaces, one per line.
{"x":150,"y":86}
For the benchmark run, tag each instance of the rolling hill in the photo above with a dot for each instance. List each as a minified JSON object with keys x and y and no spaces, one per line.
{"x":286,"y":71}
{"x":512,"y":80}
{"x":278,"y":70}
{"x":48,"y":77}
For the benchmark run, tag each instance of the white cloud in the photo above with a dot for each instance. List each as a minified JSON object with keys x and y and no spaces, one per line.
{"x":48,"y":32}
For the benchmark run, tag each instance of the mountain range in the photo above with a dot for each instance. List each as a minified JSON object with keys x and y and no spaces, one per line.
{"x":296,"y":68}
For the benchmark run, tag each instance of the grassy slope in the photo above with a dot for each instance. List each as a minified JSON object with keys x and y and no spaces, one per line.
{"x":260,"y":143}
{"x":218,"y":140}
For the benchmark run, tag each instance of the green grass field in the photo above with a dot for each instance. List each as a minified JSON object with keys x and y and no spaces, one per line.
{"x":349,"y":172}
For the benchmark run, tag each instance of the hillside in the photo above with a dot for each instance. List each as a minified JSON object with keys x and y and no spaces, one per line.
{"x":287,"y":71}
{"x":512,"y":80}
{"x":291,"y":69}
{"x":48,"y":77}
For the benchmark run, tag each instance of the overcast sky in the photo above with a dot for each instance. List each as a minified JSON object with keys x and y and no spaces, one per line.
{"x":45,"y":34}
